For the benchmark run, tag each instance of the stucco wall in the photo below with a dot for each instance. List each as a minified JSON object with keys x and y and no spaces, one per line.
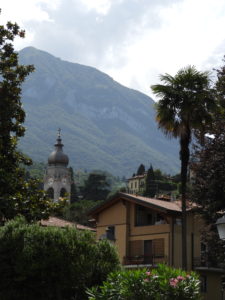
{"x":116,"y":216}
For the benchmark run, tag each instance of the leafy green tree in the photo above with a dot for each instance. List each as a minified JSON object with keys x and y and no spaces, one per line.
{"x":186,"y":103}
{"x":96,"y":187}
{"x":15,"y":193}
{"x":78,"y":211}
{"x":47,"y":263}
{"x":141,"y":170}
{"x":208,"y":188}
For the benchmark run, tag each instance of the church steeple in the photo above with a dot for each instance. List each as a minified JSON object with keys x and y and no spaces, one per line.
{"x":57,"y":180}
{"x":57,"y":157}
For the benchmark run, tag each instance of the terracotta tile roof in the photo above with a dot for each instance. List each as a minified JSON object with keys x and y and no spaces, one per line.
{"x":57,"y":222}
{"x":172,"y":206}
{"x":166,"y":206}
{"x":137,"y":176}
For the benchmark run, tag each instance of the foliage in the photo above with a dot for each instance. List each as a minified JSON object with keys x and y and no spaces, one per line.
{"x":73,"y":191}
{"x":96,"y":187}
{"x":208,"y":175}
{"x":77,"y":211}
{"x":150,"y":186}
{"x":186,"y":103}
{"x":51,"y":263}
{"x":208,"y":170}
{"x":17,"y":195}
{"x":208,"y":188}
{"x":36,"y":170}
{"x":162,"y":283}
{"x":141,"y":169}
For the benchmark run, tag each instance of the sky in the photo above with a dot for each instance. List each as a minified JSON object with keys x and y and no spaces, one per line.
{"x":133,"y":41}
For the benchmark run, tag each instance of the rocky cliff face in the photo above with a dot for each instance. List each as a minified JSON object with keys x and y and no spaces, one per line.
{"x":104,"y":124}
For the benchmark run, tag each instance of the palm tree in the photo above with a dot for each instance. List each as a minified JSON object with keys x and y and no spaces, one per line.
{"x":185,"y":104}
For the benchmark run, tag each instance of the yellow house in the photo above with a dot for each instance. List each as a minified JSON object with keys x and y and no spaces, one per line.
{"x":147,"y":231}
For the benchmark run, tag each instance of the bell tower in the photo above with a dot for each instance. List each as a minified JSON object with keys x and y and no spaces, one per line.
{"x":57,"y":179}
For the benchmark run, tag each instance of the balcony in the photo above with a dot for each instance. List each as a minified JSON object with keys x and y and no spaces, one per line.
{"x":207,"y":262}
{"x":144,"y":260}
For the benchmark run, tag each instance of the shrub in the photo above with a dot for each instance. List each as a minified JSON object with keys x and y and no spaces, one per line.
{"x":162,"y":283}
{"x":51,"y":263}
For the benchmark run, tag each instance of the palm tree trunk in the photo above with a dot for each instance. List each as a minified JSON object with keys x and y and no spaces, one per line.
{"x":184,"y":157}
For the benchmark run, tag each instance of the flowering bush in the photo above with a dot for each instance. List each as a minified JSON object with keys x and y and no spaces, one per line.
{"x":162,"y":283}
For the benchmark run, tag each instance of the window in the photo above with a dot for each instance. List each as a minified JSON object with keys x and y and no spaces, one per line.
{"x":149,"y":250}
{"x":50,"y":193}
{"x":110,"y":233}
{"x":62,"y":192}
{"x":144,"y":216}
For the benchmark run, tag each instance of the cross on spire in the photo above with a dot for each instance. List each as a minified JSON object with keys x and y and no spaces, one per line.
{"x":59,"y":132}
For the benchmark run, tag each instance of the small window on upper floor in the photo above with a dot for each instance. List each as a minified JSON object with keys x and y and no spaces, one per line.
{"x":110,"y":233}
{"x":144,"y":216}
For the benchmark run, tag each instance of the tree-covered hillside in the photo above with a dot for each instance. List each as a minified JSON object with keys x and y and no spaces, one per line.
{"x":104,"y":124}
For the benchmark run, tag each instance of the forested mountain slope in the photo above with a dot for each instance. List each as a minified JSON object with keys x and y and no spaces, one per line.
{"x":104,"y":124}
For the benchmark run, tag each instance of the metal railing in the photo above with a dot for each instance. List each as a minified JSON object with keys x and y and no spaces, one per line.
{"x":144,"y":260}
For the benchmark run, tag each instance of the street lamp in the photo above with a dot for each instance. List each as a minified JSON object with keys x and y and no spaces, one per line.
{"x":220,"y":223}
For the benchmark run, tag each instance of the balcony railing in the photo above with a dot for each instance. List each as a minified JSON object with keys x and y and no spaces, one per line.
{"x":205,"y":261}
{"x":144,"y":260}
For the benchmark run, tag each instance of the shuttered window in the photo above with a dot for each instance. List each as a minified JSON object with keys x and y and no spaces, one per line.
{"x":158,"y":247}
{"x":136,"y":248}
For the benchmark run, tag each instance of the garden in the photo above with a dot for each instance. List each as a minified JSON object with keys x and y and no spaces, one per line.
{"x":49,"y":263}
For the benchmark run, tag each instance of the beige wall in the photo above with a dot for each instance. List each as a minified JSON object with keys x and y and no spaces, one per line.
{"x":122,"y":216}
{"x":115,"y":215}
{"x":194,"y":226}
{"x":213,"y":291}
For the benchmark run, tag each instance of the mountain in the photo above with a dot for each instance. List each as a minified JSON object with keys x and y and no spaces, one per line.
{"x":104,"y":124}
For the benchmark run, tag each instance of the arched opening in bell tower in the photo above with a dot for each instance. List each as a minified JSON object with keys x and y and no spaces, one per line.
{"x":50,"y":193}
{"x":63,"y":192}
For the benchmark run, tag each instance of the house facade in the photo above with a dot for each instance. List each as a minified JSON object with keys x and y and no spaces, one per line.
{"x":148,"y":231}
{"x":136,"y":184}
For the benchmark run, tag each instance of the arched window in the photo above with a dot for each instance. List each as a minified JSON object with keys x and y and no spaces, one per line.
{"x":50,"y":193}
{"x":63,"y":192}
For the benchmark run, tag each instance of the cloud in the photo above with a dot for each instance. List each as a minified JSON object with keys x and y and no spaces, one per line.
{"x":132,"y":40}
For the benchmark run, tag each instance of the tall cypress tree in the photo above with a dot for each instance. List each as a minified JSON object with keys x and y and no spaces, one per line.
{"x":150,"y":188}
{"x":73,"y":192}
{"x":141,"y":170}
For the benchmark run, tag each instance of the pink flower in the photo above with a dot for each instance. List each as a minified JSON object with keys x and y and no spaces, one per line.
{"x":148,"y":273}
{"x":180,"y":278}
{"x":173,"y":282}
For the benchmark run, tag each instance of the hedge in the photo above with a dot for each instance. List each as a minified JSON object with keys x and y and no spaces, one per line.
{"x":51,"y":263}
